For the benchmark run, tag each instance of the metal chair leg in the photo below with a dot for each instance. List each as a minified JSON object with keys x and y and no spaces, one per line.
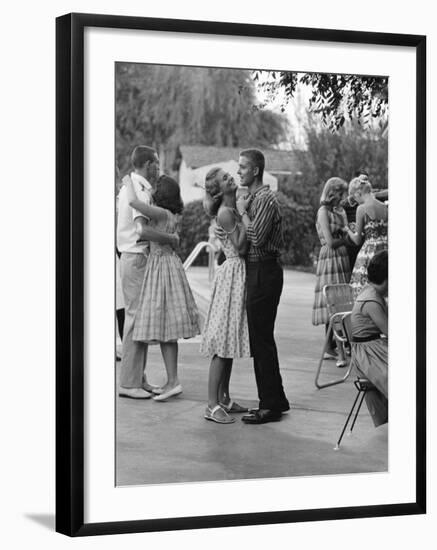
{"x":325,"y":346}
{"x":337,"y":447}
{"x":363,"y":392}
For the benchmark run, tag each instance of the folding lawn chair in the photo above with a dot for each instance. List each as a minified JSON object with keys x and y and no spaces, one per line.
{"x":339,"y":300}
{"x":362,"y":384}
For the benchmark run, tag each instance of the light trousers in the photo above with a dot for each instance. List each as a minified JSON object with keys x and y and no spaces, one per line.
{"x":134,"y":354}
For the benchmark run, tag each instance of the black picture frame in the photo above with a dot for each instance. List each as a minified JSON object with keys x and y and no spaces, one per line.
{"x":70,"y":273}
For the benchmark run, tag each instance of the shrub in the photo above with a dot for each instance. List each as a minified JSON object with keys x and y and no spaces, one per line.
{"x":194,"y":228}
{"x":300,"y":237}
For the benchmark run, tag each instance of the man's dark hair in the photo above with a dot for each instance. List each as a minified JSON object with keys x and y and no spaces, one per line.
{"x":360,"y":172}
{"x":377,"y":270}
{"x":142,"y":154}
{"x":256,"y":158}
{"x":168,"y":195}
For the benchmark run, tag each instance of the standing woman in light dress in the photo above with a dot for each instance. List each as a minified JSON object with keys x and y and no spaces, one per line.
{"x":166,"y":309}
{"x":225,"y":335}
{"x":333,"y":263}
{"x":371,"y":226}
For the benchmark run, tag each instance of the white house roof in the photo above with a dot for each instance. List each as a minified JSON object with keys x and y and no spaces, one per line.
{"x":196,"y":156}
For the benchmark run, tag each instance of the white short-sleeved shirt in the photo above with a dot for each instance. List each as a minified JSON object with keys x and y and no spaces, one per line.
{"x":127,"y":237}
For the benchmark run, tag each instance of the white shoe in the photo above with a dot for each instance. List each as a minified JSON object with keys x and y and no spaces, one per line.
{"x":134,"y":393}
{"x":151,"y":388}
{"x":170,"y":393}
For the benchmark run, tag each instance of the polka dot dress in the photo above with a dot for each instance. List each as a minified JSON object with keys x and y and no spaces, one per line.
{"x":226,"y":333}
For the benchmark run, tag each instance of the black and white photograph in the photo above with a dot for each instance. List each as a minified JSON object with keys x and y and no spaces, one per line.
{"x":251,"y":271}
{"x":239,"y":208}
{"x":217,"y":275}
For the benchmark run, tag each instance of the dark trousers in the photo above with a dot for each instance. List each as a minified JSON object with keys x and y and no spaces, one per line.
{"x":120,"y":322}
{"x":352,"y":252}
{"x":264,"y":288}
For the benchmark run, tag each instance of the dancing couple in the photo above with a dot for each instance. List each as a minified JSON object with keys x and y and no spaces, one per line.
{"x":159,"y":305}
{"x":247,"y":288}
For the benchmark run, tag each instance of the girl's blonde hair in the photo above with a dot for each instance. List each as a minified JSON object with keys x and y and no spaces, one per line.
{"x":361,"y":184}
{"x":331,"y":190}
{"x":213,"y":194}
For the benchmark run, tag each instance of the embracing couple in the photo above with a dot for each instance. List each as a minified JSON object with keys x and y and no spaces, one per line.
{"x":159,"y":305}
{"x":246,"y":293}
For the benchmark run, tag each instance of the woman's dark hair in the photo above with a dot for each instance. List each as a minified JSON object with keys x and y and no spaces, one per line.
{"x":377,"y":270}
{"x":168,"y":195}
{"x":360,"y":172}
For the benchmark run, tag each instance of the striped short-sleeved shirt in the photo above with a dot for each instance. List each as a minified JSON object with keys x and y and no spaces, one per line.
{"x":264,"y":232}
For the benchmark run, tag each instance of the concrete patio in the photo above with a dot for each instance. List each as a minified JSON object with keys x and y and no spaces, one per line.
{"x":171,"y":442}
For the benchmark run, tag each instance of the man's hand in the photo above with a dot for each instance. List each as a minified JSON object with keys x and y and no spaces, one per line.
{"x":220,"y":233}
{"x":242,"y":203}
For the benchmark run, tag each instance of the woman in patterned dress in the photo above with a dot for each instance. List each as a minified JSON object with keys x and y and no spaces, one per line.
{"x":225,"y":335}
{"x":371,"y":225}
{"x":166,"y":309}
{"x":333,"y":263}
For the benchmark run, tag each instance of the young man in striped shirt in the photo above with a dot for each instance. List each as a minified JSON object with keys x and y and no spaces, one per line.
{"x":262,"y":219}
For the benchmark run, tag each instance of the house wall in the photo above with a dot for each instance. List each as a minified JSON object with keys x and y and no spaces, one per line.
{"x":189,"y":191}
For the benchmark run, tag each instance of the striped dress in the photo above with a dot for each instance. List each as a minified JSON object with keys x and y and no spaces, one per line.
{"x":166,"y":310}
{"x":332,"y":266}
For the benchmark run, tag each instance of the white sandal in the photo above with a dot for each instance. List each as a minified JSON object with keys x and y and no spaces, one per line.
{"x":210,"y":414}
{"x":233,"y":407}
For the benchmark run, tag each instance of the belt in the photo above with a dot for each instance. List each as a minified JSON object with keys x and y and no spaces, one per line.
{"x":265,"y":260}
{"x":361,"y":339}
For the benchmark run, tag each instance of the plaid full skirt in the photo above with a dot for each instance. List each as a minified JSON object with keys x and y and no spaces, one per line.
{"x":166,"y":310}
{"x":332,"y":268}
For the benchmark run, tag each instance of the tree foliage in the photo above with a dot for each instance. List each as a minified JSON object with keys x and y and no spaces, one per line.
{"x":194,"y":228}
{"x":300,"y":238}
{"x":341,"y":154}
{"x":335,"y":97}
{"x":165,"y":106}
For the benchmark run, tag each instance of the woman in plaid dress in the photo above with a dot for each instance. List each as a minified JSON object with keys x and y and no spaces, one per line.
{"x":166,"y":310}
{"x":333,"y":264}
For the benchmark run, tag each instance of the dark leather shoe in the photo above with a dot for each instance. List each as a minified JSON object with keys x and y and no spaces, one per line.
{"x":283,"y":409}
{"x":262,"y":416}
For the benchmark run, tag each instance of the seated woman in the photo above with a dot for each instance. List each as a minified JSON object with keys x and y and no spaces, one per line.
{"x":369,"y":320}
